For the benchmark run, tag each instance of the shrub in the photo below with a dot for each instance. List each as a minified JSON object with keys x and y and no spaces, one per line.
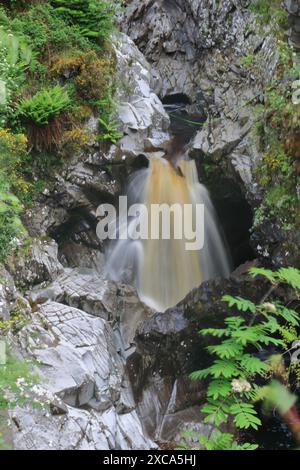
{"x":15,"y":55}
{"x":43,"y":115}
{"x":76,"y":140}
{"x":17,"y":379}
{"x":94,"y":18}
{"x":94,"y":77}
{"x":91,"y":74}
{"x":10,"y":224}
{"x":270,"y":10}
{"x":237,"y":371}
{"x":17,"y":49}
{"x":47,"y":34}
{"x":44,"y":106}
{"x":108,"y":124}
{"x":12,"y":152}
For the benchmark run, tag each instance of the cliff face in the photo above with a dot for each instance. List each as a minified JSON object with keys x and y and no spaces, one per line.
{"x":178,"y":37}
{"x":113,"y":372}
{"x":221,"y":57}
{"x":293,"y":8}
{"x":73,"y":314}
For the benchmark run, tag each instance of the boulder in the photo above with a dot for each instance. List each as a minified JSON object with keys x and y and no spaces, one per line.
{"x":33,"y":264}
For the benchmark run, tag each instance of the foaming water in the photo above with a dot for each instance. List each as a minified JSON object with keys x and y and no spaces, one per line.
{"x":164,"y":271}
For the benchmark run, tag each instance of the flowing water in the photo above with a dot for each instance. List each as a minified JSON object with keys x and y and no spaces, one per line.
{"x":163,"y":270}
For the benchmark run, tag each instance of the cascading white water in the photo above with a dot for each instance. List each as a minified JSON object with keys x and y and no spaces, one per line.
{"x":164,"y":271}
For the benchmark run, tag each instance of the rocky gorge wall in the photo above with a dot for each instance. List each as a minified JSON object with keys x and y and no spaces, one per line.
{"x":113,"y":372}
{"x":199,"y":48}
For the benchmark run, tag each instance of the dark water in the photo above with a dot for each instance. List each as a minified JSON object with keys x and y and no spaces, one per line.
{"x":274,"y":434}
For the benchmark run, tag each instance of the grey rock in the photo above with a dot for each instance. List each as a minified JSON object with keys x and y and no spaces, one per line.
{"x":8,"y":293}
{"x":293,"y":8}
{"x":140,"y":111}
{"x":178,"y":37}
{"x":79,"y":366}
{"x":80,"y":288}
{"x":36,"y":263}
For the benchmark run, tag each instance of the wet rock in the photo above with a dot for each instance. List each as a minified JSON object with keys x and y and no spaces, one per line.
{"x":276,"y":244}
{"x":140,"y":111}
{"x":80,"y":288}
{"x":293,"y":8}
{"x":178,"y":38}
{"x":35,"y":263}
{"x":8,"y":293}
{"x":169,"y":348}
{"x":86,"y":290}
{"x":83,"y":372}
{"x":78,"y":430}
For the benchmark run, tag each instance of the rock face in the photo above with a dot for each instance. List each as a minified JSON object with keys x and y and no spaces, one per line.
{"x":176,"y":35}
{"x":196,"y":49}
{"x":114,"y":374}
{"x":216,"y":57}
{"x":144,"y":120}
{"x":80,"y":327}
{"x":293,"y":8}
{"x":82,"y":374}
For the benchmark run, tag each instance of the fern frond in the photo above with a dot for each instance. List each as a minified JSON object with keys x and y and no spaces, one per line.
{"x":290,"y":276}
{"x":253,"y":365}
{"x":267,"y":273}
{"x":224,"y":368}
{"x":200,"y":374}
{"x":219,"y":388}
{"x":226,"y":350}
{"x":243,"y":305}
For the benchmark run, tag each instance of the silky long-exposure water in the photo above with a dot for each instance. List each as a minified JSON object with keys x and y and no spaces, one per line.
{"x":163,"y":270}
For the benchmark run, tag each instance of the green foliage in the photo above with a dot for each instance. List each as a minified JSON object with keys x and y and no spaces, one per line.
{"x":109,"y":131}
{"x":108,"y":125}
{"x":217,"y":441}
{"x":248,"y":61}
{"x":43,"y":44}
{"x":10,"y":224}
{"x":17,"y":49}
{"x":44,"y":106}
{"x":270,"y":11}
{"x":276,"y":173}
{"x":289,"y":276}
{"x":95,"y":19}
{"x":46,"y":32}
{"x":276,"y":395}
{"x":12,"y":152}
{"x":224,"y":441}
{"x":278,"y":124}
{"x":15,"y":56}
{"x":16,"y":381}
{"x":235,"y":370}
{"x":241,"y":304}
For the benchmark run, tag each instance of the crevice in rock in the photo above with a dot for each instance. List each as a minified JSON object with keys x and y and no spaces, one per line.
{"x":176,"y":99}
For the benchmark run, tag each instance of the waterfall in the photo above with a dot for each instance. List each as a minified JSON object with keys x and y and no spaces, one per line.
{"x":163,"y":270}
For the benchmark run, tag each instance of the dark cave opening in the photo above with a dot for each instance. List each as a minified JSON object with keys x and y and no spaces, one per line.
{"x":234,"y":213}
{"x":176,"y":99}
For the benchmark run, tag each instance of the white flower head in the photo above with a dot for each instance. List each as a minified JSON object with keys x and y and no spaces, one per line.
{"x":269,"y":307}
{"x":240,"y":385}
